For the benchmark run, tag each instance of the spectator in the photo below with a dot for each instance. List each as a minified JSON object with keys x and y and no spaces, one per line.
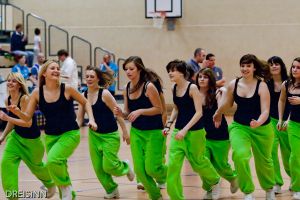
{"x":210,"y":63}
{"x":18,"y":43}
{"x":109,"y":66}
{"x":69,"y":71}
{"x":37,"y":44}
{"x":35,"y":70}
{"x":199,"y":57}
{"x":20,"y":66}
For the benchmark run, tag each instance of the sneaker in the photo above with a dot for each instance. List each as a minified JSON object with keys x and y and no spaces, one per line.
{"x":130,"y":174}
{"x":140,"y":186}
{"x":296,"y":195}
{"x":114,"y":195}
{"x":51,"y":192}
{"x":208,"y":195}
{"x":215,"y":192}
{"x":66,"y":192}
{"x":277,"y":189}
{"x":234,"y":186}
{"x":249,"y":197}
{"x":270,"y":195}
{"x":161,"y":185}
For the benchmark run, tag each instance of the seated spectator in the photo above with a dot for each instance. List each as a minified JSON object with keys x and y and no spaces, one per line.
{"x":20,"y":66}
{"x":109,"y":66}
{"x":18,"y":43}
{"x":210,"y":63}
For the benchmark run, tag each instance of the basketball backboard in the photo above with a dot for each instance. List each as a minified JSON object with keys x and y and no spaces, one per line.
{"x":173,"y":8}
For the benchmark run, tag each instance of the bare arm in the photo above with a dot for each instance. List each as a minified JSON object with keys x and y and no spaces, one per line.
{"x":110,"y":102}
{"x":164,"y":108}
{"x":80,"y":115}
{"x":221,"y":83}
{"x":154,"y":98}
{"x":282,"y":102}
{"x":226,"y":100}
{"x":264,"y":103}
{"x":72,"y":93}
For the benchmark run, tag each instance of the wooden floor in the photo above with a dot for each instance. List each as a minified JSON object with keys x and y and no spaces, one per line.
{"x":88,"y":187}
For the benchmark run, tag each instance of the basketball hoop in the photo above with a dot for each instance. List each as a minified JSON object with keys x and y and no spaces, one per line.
{"x":158,"y":19}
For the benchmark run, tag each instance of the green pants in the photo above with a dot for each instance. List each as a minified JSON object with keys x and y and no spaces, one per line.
{"x":104,"y":150}
{"x":260,"y":140}
{"x":193,"y":148}
{"x":31,"y":152}
{"x":147,"y":151}
{"x":59,"y":148}
{"x":293,"y":130}
{"x":281,"y":138}
{"x":217,"y":152}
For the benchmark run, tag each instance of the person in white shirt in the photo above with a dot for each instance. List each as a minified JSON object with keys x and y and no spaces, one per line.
{"x":69,"y":71}
{"x":37,"y":48}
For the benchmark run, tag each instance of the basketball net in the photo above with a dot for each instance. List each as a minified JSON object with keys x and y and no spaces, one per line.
{"x":158,"y":19}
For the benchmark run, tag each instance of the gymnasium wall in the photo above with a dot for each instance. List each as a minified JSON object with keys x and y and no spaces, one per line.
{"x":229,"y":29}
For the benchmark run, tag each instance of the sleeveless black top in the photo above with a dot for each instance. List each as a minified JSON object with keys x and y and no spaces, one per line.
{"x":60,"y":115}
{"x":295,"y":109}
{"x":186,"y":110}
{"x":212,"y":132}
{"x":247,"y":108}
{"x":143,"y":102}
{"x":274,"y":102}
{"x":31,"y":132}
{"x":104,"y":117}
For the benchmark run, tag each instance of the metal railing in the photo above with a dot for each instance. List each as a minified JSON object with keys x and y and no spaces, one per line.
{"x":5,"y":17}
{"x":44,"y":29}
{"x":84,"y":41}
{"x":50,"y":27}
{"x":103,"y":52}
{"x":121,"y":74}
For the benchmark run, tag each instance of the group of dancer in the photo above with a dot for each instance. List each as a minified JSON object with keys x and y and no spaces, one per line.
{"x":268,"y":115}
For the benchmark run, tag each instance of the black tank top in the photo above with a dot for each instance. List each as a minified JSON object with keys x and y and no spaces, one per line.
{"x":186,"y":110}
{"x":143,"y":122}
{"x":247,"y":108}
{"x":104,"y":117}
{"x":60,"y":115}
{"x":31,"y":132}
{"x":212,"y":132}
{"x":274,"y":102}
{"x":295,"y":109}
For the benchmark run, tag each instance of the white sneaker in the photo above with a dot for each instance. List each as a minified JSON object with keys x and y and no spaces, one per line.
{"x":161,"y":185}
{"x":270,"y":195}
{"x":296,"y":195}
{"x":130,"y":174}
{"x":66,"y":192}
{"x":249,"y":197}
{"x":234,"y":186}
{"x":208,"y":195}
{"x":140,"y":186}
{"x":114,"y":195}
{"x":277,"y":189}
{"x":51,"y":192}
{"x":215,"y":192}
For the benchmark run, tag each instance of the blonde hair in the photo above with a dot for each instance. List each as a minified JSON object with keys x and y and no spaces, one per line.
{"x":20,"y":79}
{"x":44,"y":68}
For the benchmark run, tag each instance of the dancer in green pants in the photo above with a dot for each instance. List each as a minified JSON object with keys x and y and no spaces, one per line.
{"x":290,"y":94}
{"x":251,"y":128}
{"x":279,"y":74}
{"x":188,"y":137}
{"x":104,"y":143}
{"x":217,"y":139}
{"x":55,"y":100}
{"x":23,"y":142}
{"x":142,"y":107}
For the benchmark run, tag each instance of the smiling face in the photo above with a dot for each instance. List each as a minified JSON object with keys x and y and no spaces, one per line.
{"x":175,"y":75}
{"x":275,"y":69}
{"x":52,"y":72}
{"x":13,"y":84}
{"x":91,"y":78}
{"x":247,"y":70}
{"x":132,"y":71}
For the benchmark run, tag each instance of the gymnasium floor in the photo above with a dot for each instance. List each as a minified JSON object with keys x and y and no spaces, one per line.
{"x":88,"y":187}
